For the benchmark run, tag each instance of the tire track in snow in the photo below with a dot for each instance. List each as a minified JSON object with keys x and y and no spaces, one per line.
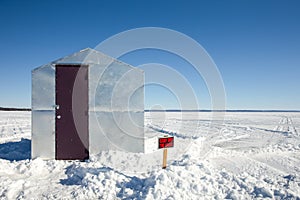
{"x":281,"y":124}
{"x":286,"y":127}
{"x":236,"y":161}
{"x":294,"y":128}
{"x":6,"y":126}
{"x":13,"y":126}
{"x":19,"y":126}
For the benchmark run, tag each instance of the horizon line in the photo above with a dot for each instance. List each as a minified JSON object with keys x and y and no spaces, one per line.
{"x":179,"y":110}
{"x":227,"y":110}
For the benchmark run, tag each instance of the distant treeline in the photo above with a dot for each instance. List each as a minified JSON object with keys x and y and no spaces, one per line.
{"x":175,"y":110}
{"x":15,"y":109}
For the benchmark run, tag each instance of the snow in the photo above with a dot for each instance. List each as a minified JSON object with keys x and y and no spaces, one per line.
{"x":244,"y":156}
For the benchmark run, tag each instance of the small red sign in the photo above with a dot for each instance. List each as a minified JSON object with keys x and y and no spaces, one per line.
{"x":166,"y":142}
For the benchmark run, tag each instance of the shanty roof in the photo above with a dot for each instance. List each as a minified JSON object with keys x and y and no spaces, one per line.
{"x":85,"y":56}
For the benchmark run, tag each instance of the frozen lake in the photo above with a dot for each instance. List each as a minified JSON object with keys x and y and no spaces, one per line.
{"x":241,"y":155}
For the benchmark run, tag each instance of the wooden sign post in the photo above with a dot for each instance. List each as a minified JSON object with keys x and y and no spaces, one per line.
{"x":164,"y":166}
{"x":164,"y":143}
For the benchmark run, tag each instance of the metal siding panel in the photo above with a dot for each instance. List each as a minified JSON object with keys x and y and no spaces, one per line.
{"x":116,"y":108}
{"x":98,"y":141}
{"x":105,"y":132}
{"x":43,"y":88}
{"x":43,"y":134}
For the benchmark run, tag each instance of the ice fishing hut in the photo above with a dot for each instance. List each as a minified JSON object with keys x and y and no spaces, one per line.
{"x":86,"y":103}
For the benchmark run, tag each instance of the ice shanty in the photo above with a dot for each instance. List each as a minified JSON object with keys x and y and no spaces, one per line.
{"x":86,"y":103}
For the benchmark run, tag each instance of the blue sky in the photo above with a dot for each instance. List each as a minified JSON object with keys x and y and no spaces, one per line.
{"x":255,"y":44}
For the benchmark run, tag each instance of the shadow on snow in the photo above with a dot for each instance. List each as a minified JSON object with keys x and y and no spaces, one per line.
{"x":16,"y":151}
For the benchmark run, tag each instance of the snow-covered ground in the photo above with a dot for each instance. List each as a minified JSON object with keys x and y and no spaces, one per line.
{"x":243,"y":156}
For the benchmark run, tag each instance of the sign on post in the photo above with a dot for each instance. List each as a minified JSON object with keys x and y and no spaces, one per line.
{"x":164,"y":143}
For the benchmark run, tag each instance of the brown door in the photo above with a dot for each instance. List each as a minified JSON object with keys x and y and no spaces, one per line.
{"x":71,"y":126}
